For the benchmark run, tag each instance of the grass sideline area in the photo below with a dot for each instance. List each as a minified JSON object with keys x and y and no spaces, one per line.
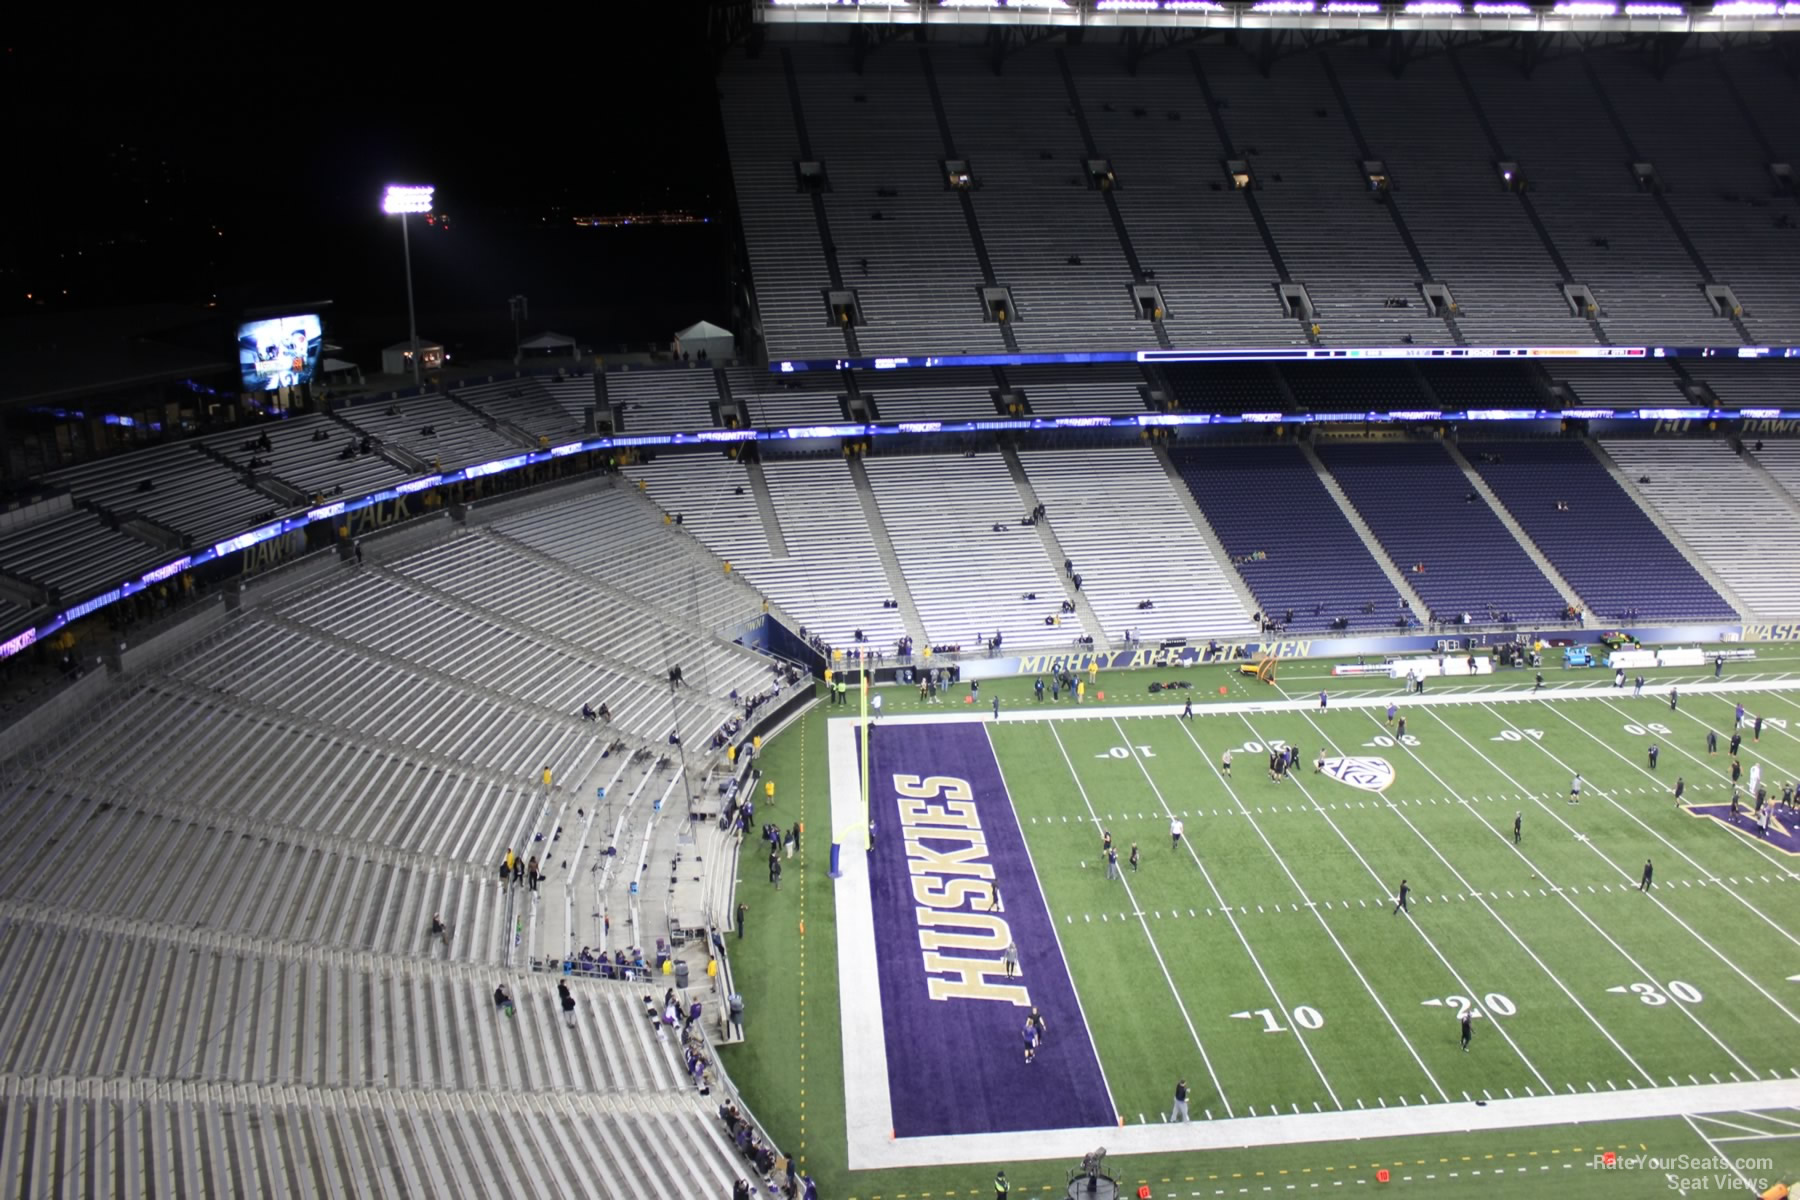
{"x":791,"y":1070}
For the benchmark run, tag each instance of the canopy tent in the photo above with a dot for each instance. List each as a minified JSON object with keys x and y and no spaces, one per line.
{"x":548,"y":345}
{"x":703,"y":338}
{"x":340,"y":371}
{"x":396,"y":359}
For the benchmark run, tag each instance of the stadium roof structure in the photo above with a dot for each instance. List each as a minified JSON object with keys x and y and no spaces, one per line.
{"x":1336,"y":16}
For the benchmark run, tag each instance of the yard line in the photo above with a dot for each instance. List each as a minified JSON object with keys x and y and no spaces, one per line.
{"x":1716,"y":952}
{"x":1723,"y":1157}
{"x":1218,"y":1088}
{"x":1543,"y":874}
{"x":1760,"y":915}
{"x":1039,"y":884}
{"x":1431,"y":945}
{"x":1542,"y":965}
{"x":1313,"y":907}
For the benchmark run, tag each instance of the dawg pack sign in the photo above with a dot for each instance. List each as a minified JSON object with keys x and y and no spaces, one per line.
{"x":1368,"y":774}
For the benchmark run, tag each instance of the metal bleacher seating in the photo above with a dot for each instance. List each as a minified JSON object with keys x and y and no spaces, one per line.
{"x":620,"y":540}
{"x":1036,"y":206}
{"x":1098,"y":390}
{"x":1780,"y":457}
{"x":191,"y":494}
{"x":300,"y":458}
{"x":968,"y":581}
{"x":1191,"y":231}
{"x":1617,"y":385}
{"x":1160,"y":557}
{"x":1268,"y":499}
{"x":76,"y":553}
{"x":1417,"y":503}
{"x":1728,"y":515}
{"x":778,"y":401}
{"x":938,"y":394}
{"x":529,"y":403}
{"x":1332,"y":235}
{"x":664,"y":400}
{"x":1611,"y":233}
{"x":915,"y":273}
{"x":1614,"y":556}
{"x":505,"y":581}
{"x":830,"y":580}
{"x":781,"y":234}
{"x":1714,"y":168}
{"x":1226,"y":387}
{"x":456,"y":437}
{"x":1473,"y":235}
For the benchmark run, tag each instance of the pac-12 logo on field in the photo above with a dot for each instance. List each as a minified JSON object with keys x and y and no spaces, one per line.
{"x":1369,"y":774}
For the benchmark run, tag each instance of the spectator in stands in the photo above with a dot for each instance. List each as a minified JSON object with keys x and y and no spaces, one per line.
{"x":568,"y":1004}
{"x":531,"y":873}
{"x":503,"y":1000}
{"x":439,"y":929}
{"x":587,"y":712}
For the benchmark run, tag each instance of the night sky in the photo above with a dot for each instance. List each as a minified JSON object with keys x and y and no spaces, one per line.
{"x":240,"y":160}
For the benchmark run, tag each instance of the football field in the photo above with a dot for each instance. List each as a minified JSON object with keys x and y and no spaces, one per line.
{"x":1260,"y":957}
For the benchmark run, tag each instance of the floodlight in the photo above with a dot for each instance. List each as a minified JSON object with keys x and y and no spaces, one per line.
{"x":1433,"y":8}
{"x":1501,"y":8}
{"x":1587,"y":8}
{"x":407,"y":198}
{"x":1655,"y":10}
{"x":402,"y":200}
{"x":1746,"y":8}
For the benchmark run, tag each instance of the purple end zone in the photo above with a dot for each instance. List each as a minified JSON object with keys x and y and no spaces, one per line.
{"x":1784,"y":830}
{"x":955,"y":1047}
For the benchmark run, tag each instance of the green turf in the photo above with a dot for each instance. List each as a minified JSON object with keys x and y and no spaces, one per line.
{"x":1500,"y":929}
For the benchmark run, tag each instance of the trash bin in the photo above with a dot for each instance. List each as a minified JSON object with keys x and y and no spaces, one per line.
{"x":681,"y":973}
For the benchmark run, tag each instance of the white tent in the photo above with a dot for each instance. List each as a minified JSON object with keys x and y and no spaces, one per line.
{"x":397,"y":358}
{"x":548,"y":345}
{"x":703,"y":337}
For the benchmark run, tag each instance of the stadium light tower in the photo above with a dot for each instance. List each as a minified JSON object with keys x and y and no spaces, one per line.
{"x":405,"y":199}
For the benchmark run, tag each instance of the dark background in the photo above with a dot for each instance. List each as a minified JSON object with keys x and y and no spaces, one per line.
{"x":159,"y":158}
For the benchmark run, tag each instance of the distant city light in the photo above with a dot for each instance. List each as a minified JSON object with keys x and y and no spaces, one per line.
{"x":407,"y":198}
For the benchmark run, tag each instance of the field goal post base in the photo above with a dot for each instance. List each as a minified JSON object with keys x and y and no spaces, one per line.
{"x":1098,"y":1187}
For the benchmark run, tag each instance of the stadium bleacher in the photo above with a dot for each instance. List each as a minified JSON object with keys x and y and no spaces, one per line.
{"x":1268,"y":501}
{"x":1615,"y":557}
{"x":1424,"y":512}
{"x":245,"y":996}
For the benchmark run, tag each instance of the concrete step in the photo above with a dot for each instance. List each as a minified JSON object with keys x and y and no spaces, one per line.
{"x":1563,"y":586}
{"x":1374,"y":547}
{"x":1046,"y":531}
{"x":890,"y":562}
{"x":1675,"y":539}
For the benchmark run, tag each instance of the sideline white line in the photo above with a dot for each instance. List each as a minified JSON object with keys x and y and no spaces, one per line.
{"x":1280,"y":1004}
{"x":1461,"y":983}
{"x":1543,"y":875}
{"x":1095,"y":712}
{"x":872,"y":1150}
{"x":1712,"y":875}
{"x":1218,"y":1088}
{"x":1087,"y":1030}
{"x":1759,"y":913}
{"x":1314,"y":908}
{"x":1723,"y":1157}
{"x":867,"y":1104}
